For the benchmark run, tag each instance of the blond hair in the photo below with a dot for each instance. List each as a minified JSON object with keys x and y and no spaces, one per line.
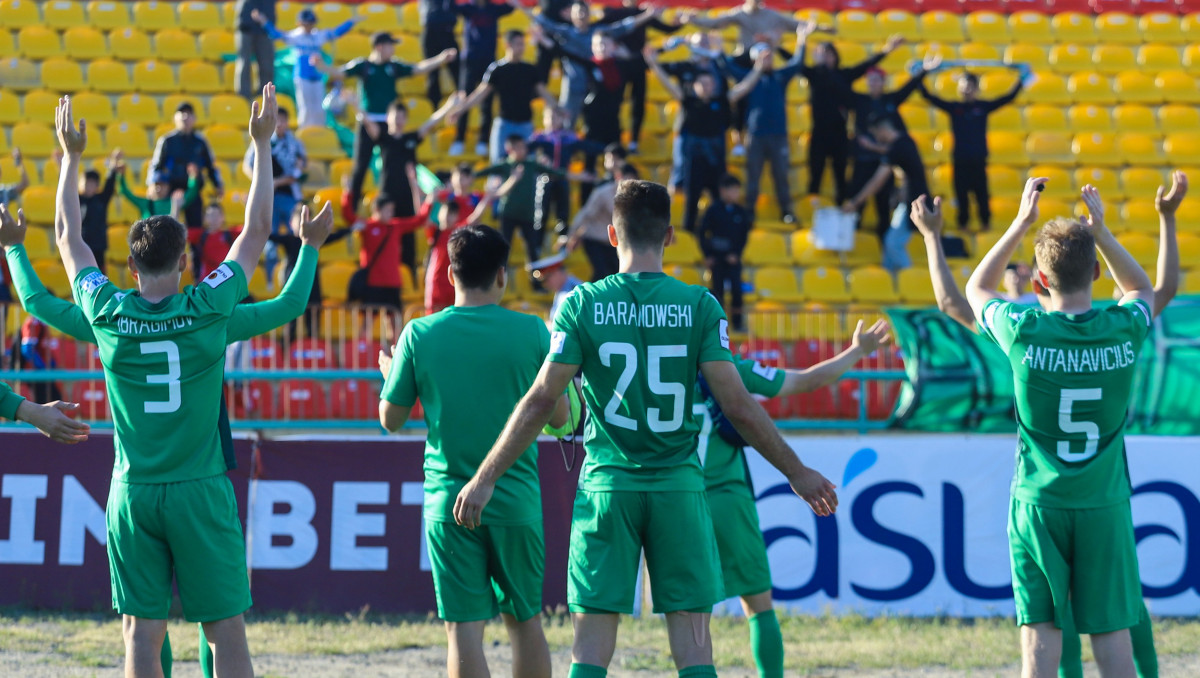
{"x":1065,"y":250}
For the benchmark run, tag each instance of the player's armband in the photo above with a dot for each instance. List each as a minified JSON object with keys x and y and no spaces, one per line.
{"x":572,"y":422}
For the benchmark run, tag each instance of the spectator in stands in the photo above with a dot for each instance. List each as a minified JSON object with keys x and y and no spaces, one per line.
{"x":590,"y":227}
{"x":829,"y":94}
{"x":685,"y":72}
{"x":899,"y":151}
{"x":873,"y":105}
{"x":1017,"y":280}
{"x":306,"y":42}
{"x":557,"y":10}
{"x":555,"y":146}
{"x":516,"y":84}
{"x":93,"y":205}
{"x":176,"y":151}
{"x":723,"y":235}
{"x":291,"y":246}
{"x":461,"y":190}
{"x":552,"y":273}
{"x":968,"y":121}
{"x":635,"y":43}
{"x":211,"y":244}
{"x":288,"y":164}
{"x":438,"y":20}
{"x":10,"y":192}
{"x":481,"y":20}
{"x":377,"y":75}
{"x":703,"y":121}
{"x":32,"y":351}
{"x":160,"y":200}
{"x":254,"y":45}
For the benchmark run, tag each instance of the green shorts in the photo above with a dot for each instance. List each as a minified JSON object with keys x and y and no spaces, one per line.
{"x":188,"y":529}
{"x":1085,"y":558}
{"x":609,"y":530}
{"x":744,"y":566}
{"x":480,"y":573}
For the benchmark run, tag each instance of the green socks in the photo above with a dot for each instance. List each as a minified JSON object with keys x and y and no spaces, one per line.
{"x":766,"y":640}
{"x":206,"y":655}
{"x":165,"y":657}
{"x":587,"y":671}
{"x":1070,"y":663}
{"x":697,"y":671}
{"x":1142,"y":637}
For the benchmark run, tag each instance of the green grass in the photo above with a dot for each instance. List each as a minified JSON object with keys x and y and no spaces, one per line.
{"x":827,"y":642}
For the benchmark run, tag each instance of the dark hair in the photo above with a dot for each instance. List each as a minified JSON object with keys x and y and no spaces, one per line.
{"x":837,"y":57}
{"x":282,"y":111}
{"x":214,"y":205}
{"x":91,"y":175}
{"x":970,"y":78}
{"x":513,"y":34}
{"x":628,"y":171}
{"x":1065,"y":251}
{"x":583,"y":3}
{"x":642,"y":213}
{"x":382,"y":200}
{"x":156,"y":243}
{"x":514,"y":138}
{"x":617,"y":150}
{"x":464,"y":168}
{"x":476,"y":254}
{"x":442,"y":176}
{"x":398,"y":107}
{"x":729,"y":181}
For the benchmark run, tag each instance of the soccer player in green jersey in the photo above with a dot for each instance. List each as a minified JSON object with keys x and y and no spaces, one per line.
{"x":171,"y":513}
{"x":641,"y":337}
{"x":469,"y":365}
{"x":743,"y":553}
{"x":1070,"y":530}
{"x":952,"y":302}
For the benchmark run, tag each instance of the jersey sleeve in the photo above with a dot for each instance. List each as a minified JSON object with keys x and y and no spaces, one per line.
{"x":9,"y":402}
{"x":565,"y":339}
{"x":223,"y":289}
{"x":1141,"y":319}
{"x":403,"y":70}
{"x":760,"y":379}
{"x":60,"y":314}
{"x":1000,"y":320}
{"x":401,"y":385}
{"x":250,"y":320}
{"x":714,"y":330}
{"x":354,"y":68}
{"x":92,"y":290}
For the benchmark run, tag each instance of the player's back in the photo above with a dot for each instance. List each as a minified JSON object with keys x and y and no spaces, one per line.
{"x":640,"y":338}
{"x":470,"y":367}
{"x":1073,"y":376}
{"x":164,"y":366}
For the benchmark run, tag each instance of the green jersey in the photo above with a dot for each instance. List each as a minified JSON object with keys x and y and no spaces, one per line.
{"x":470,"y":366}
{"x":1073,"y":375}
{"x":164,"y":366}
{"x":377,"y":83}
{"x":724,"y":464}
{"x":640,"y":339}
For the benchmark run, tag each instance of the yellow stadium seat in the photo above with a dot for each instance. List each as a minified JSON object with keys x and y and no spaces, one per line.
{"x":852,"y":51}
{"x":1033,"y":27}
{"x":40,"y":105}
{"x":351,"y":46}
{"x":1139,"y":215}
{"x":173,"y":44}
{"x":805,"y":252}
{"x":228,"y":143}
{"x":1071,"y":58}
{"x":1177,"y":87}
{"x":1102,"y":178}
{"x":1117,"y":28}
{"x":38,"y":42}
{"x":916,"y":119}
{"x":1088,"y":118}
{"x":64,"y":75}
{"x":216,"y":43}
{"x":1037,"y":56}
{"x":872,"y":285}
{"x":200,"y":16}
{"x":1191,"y":59}
{"x":331,"y":14}
{"x":825,"y":285}
{"x":38,"y":203}
{"x":8,"y":45}
{"x":1004,"y":180}
{"x":856,"y":25}
{"x":130,"y":137}
{"x":764,"y":248}
{"x":130,"y":44}
{"x":1134,"y":118}
{"x":686,"y":274}
{"x":1155,"y":58}
{"x":1007,"y":119}
{"x":1174,"y":118}
{"x":1094,"y":149}
{"x":10,"y":107}
{"x":19,"y":14}
{"x":53,"y":276}
{"x":941,"y":27}
{"x":935,"y":146}
{"x":151,"y":15}
{"x":153,"y":76}
{"x":1161,"y":27}
{"x":866,"y":252}
{"x":286,"y":11}
{"x":1049,"y":88}
{"x":138,"y":109}
{"x":988,"y":27}
{"x":35,"y":139}
{"x":1135,"y":148}
{"x":96,"y":108}
{"x":200,"y":77}
{"x":684,"y":250}
{"x":777,"y":283}
{"x":1142,"y":247}
{"x":1073,"y":27}
{"x":915,"y":286}
{"x":1040,"y":118}
{"x":1182,"y":148}
{"x":1060,"y":184}
{"x":335,"y":279}
{"x":63,"y":14}
{"x":321,"y":143}
{"x":897,"y":22}
{"x":380,"y":16}
{"x":979,"y":50}
{"x":994,"y":84}
{"x":37,"y":244}
{"x":1007,"y":148}
{"x":1140,"y":88}
{"x":1113,"y":59}
{"x":898,"y":60}
{"x":229,"y":109}
{"x":1091,"y":88}
{"x":107,"y":15}
{"x":84,"y":43}
{"x":1144,"y":181}
{"x":1049,"y":147}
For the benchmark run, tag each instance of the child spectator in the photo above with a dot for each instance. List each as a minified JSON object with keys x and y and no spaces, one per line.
{"x":159,"y":200}
{"x":93,"y":205}
{"x":723,"y":233}
{"x":590,"y":227}
{"x":555,"y":145}
{"x":461,"y":191}
{"x":212,"y":242}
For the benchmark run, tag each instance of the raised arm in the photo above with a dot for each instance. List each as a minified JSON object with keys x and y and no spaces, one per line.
{"x":23,"y":180}
{"x":1127,"y":273}
{"x":60,"y":314}
{"x":877,"y":181}
{"x":439,"y":115}
{"x":984,"y":284}
{"x":748,"y":83}
{"x":68,"y":220}
{"x":1167,"y":274}
{"x":933,"y":99}
{"x":727,"y":18}
{"x":250,"y":242}
{"x":627,"y":26}
{"x":668,"y":83}
{"x":863,"y":344}
{"x":949,"y":299}
{"x":1005,"y":100}
{"x":435,"y":62}
{"x":472,"y":100}
{"x":860,"y":69}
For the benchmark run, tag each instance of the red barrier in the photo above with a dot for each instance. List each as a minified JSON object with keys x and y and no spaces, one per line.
{"x":337,"y":523}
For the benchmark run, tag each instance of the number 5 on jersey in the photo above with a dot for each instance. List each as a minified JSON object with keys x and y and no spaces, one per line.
{"x":654,"y":357}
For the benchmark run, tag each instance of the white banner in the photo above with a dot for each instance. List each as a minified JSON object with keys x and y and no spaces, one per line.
{"x":921,"y":525}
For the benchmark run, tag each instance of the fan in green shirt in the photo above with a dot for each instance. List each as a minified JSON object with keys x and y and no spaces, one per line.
{"x":640,"y":339}
{"x":159,"y":200}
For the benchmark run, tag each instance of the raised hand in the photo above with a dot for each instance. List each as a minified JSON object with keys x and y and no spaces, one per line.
{"x":893,"y":43}
{"x":870,"y":340}
{"x":12,"y":231}
{"x":1030,"y":197}
{"x":16,"y":156}
{"x":72,"y":140}
{"x":51,"y":419}
{"x":928,"y":221}
{"x":116,"y":160}
{"x":1167,"y":201}
{"x":314,"y":231}
{"x":1091,"y":198}
{"x":262,"y":115}
{"x":931,"y":62}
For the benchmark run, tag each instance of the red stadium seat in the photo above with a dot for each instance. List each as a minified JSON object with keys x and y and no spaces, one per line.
{"x":941,"y":6}
{"x":91,"y":358}
{"x":360,"y":354}
{"x":253,"y":400}
{"x":265,"y":353}
{"x":92,"y":397}
{"x":301,"y":399}
{"x":1081,"y":6}
{"x":355,"y":399}
{"x":998,"y":6}
{"x":65,"y":352}
{"x":822,"y":403}
{"x":1126,"y":6}
{"x":310,"y":354}
{"x":1014,"y":6}
{"x":772,"y":354}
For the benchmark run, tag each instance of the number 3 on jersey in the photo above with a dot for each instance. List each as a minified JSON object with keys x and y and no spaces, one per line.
{"x":170,"y":379}
{"x":654,"y":357}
